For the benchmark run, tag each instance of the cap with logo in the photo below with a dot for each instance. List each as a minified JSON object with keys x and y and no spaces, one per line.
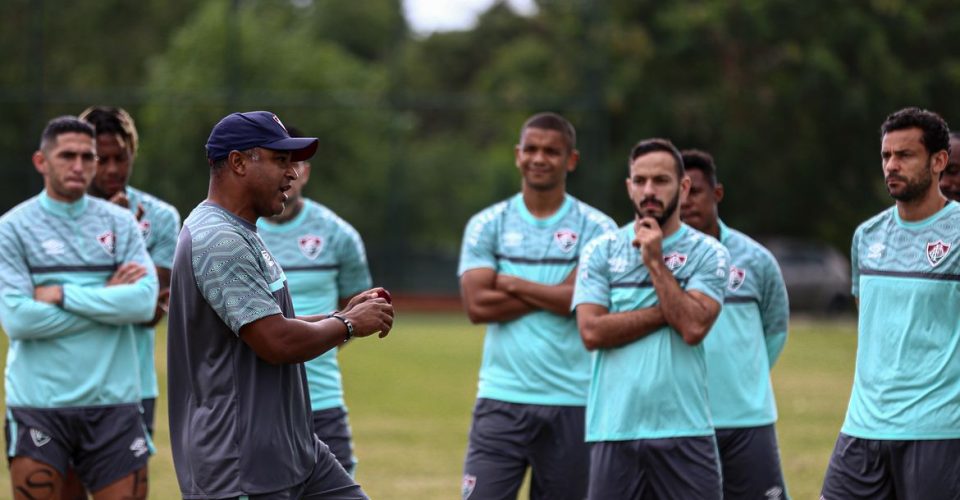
{"x":242,"y":131}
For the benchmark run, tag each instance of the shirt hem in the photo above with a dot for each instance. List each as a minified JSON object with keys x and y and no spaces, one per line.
{"x":894,"y":436}
{"x":652,"y":435}
{"x":741,"y":424}
{"x":533,"y":400}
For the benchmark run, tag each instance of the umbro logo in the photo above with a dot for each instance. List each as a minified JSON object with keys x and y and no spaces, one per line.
{"x":39,"y":437}
{"x":53,"y":247}
{"x":139,"y":447}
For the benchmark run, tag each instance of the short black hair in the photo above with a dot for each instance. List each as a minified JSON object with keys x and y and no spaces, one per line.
{"x":63,"y":125}
{"x":936,"y":133}
{"x":552,"y":121}
{"x":653,"y":145}
{"x":114,"y":121}
{"x":696,"y":159}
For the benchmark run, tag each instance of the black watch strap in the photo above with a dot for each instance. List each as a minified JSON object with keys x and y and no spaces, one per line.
{"x":346,"y":322}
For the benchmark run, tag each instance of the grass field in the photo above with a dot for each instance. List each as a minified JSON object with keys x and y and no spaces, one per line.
{"x":410,"y":397}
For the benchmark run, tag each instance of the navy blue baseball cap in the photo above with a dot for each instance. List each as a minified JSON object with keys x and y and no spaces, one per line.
{"x":243,"y":131}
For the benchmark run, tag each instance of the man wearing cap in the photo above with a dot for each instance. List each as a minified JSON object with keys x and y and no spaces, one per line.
{"x":240,"y":420}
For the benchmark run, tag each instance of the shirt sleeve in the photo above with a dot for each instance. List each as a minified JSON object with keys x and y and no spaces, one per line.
{"x":119,"y":304}
{"x":229,"y":277}
{"x":166,"y":229}
{"x":479,"y":243}
{"x":22,"y":317}
{"x":710,"y":276}
{"x":354,"y":273}
{"x":592,"y":285}
{"x":774,"y":310}
{"x":855,"y":265}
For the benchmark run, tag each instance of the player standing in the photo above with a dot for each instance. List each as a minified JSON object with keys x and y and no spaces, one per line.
{"x":742,"y":346}
{"x":901,"y":435}
{"x":159,"y":222}
{"x":326,"y":264}
{"x":517,"y":267}
{"x":646,"y":296}
{"x":74,"y":278}
{"x":240,"y":420}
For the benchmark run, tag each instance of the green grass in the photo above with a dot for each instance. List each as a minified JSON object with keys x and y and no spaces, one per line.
{"x":410,"y":397}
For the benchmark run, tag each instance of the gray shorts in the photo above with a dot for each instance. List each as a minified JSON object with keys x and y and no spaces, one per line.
{"x":652,"y":469}
{"x":328,"y":480}
{"x":750,"y":463}
{"x":904,"y":470}
{"x":333,"y":428}
{"x":506,"y":438}
{"x":103,"y":443}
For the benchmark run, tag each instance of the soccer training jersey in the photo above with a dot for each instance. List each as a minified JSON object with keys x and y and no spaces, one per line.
{"x":84,"y":352}
{"x":324,"y":260}
{"x":539,"y":357}
{"x":747,"y":337}
{"x":159,"y":224}
{"x":907,"y":278}
{"x":238,"y":424}
{"x":656,"y":386}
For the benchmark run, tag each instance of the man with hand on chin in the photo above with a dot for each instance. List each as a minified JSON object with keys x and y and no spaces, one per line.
{"x":645,"y":298}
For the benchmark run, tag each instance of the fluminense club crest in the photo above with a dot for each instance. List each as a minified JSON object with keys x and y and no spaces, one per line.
{"x":936,"y":252}
{"x":310,"y":246}
{"x":107,"y":241}
{"x":674,"y":260}
{"x":736,"y":279}
{"x":566,"y":239}
{"x":144,"y":228}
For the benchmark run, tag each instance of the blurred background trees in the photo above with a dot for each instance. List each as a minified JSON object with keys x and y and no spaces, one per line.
{"x":417,"y":131}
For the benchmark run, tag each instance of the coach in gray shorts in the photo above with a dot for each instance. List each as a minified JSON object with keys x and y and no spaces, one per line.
{"x":239,"y":407}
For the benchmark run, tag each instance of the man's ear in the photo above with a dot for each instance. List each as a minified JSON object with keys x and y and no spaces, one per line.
{"x":40,"y":162}
{"x":237,"y":163}
{"x":718,"y":192}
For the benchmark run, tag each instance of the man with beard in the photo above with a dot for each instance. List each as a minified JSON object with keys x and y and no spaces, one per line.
{"x":240,"y":422}
{"x":645,"y":298}
{"x":742,"y":346}
{"x":950,"y":178}
{"x":517,"y":267}
{"x":900,"y":438}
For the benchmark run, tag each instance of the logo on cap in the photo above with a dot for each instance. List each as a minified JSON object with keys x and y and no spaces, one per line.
{"x":279,"y":122}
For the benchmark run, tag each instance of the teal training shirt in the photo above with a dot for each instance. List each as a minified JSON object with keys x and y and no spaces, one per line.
{"x":907,"y":278}
{"x":159,"y":225}
{"x":84,"y":352}
{"x":537,"y":358}
{"x":325,"y":261}
{"x":656,"y":386}
{"x":747,"y":337}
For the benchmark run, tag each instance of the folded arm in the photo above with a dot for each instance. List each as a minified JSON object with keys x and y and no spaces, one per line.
{"x":27,"y":319}
{"x":553,"y":298}
{"x":601,"y":329}
{"x":485,"y":303}
{"x":691,"y":313}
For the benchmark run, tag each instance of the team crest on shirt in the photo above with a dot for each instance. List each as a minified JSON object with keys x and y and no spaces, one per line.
{"x":144,"y":226}
{"x":467,"y":486}
{"x":674,"y":260}
{"x":936,"y":252}
{"x":736,"y":278}
{"x":39,"y":437}
{"x":310,"y":246}
{"x":565,"y":239}
{"x":107,"y":241}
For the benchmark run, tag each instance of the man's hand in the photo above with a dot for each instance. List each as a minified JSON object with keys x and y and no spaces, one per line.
{"x":127,"y":274}
{"x":120,"y":198}
{"x":649,"y":238}
{"x":369,"y":314}
{"x":50,"y":294}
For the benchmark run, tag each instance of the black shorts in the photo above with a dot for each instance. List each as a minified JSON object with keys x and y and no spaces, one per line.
{"x":506,"y":438}
{"x":333,"y":428}
{"x":905,"y":470}
{"x":750,"y":463}
{"x":642,"y":469}
{"x":103,"y":443}
{"x":327,"y":480}
{"x":149,"y":411}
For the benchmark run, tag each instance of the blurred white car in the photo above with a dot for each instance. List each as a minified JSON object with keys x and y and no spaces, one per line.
{"x":817,"y":275}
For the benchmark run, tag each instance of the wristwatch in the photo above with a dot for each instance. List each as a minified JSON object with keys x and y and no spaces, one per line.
{"x":346,"y":322}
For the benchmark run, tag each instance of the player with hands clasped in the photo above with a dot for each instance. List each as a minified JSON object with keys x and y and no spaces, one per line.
{"x":240,"y":416}
{"x":645,"y":298}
